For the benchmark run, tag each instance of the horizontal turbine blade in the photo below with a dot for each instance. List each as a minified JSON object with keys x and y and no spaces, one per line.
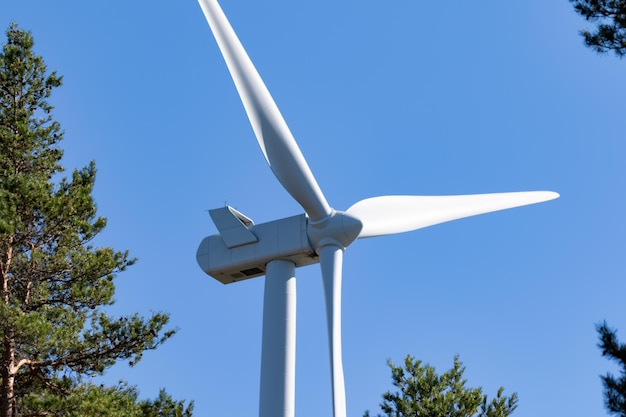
{"x":277,"y":143}
{"x":396,"y":214}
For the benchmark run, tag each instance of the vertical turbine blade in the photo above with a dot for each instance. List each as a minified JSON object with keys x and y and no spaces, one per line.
{"x":277,"y":143}
{"x":331,"y":259}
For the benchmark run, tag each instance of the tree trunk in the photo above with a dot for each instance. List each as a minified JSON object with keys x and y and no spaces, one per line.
{"x":7,"y":390}
{"x":7,"y":372}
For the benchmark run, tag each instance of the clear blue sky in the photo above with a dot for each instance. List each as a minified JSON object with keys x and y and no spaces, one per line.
{"x":400,"y":97}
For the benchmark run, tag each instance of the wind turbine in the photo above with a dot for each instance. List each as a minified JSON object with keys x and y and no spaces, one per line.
{"x":243,"y":250}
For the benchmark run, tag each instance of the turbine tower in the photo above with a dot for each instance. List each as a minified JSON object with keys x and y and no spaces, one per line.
{"x":243,"y":250}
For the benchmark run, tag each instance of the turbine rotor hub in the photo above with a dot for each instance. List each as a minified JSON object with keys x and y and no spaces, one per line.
{"x":338,"y":229}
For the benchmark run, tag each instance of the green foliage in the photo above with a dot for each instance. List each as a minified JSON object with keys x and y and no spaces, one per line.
{"x":614,"y":387}
{"x":54,"y":284}
{"x":422,"y":392}
{"x":610,"y":17}
{"x":165,"y":406}
{"x":99,"y":401}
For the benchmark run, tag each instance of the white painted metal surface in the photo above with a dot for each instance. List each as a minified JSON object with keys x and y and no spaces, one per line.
{"x":281,"y":239}
{"x":233,"y":226}
{"x":278,"y":351}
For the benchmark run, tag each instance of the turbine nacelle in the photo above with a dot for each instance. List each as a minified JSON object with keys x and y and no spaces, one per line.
{"x":242,"y":249}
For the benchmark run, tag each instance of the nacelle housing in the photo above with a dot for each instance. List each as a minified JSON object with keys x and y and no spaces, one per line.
{"x":284,"y":239}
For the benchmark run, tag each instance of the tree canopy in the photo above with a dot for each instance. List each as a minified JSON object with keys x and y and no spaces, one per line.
{"x":55,"y":284}
{"x":610,"y":19}
{"x":614,"y":386}
{"x":422,"y":392}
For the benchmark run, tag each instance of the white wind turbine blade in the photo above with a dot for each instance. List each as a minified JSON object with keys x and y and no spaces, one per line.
{"x":277,"y":143}
{"x":396,"y":214}
{"x":331,"y":259}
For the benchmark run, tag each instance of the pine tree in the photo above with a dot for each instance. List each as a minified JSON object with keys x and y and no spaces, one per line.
{"x":422,"y":392}
{"x":165,"y":406}
{"x":610,"y":16}
{"x":614,"y":387}
{"x":92,"y":400}
{"x":54,"y":284}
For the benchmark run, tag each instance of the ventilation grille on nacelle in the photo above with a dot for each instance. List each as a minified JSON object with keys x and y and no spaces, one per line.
{"x":247,"y":272}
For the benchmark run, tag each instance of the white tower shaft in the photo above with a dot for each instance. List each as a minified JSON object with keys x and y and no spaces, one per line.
{"x":278,"y":351}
